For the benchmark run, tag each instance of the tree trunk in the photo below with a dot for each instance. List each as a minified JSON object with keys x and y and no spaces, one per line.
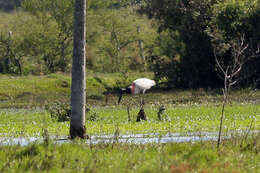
{"x":222,"y":116}
{"x":78,"y":86}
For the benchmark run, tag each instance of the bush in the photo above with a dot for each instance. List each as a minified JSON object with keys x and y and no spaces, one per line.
{"x":59,"y":111}
{"x":92,"y":115}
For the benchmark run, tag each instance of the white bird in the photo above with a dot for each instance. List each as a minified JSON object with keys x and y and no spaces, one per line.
{"x":138,"y":86}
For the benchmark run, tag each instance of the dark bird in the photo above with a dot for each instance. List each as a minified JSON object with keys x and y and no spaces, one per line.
{"x":138,"y":86}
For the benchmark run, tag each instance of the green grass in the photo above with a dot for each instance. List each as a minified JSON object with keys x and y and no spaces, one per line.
{"x":108,"y":119}
{"x":35,"y":91}
{"x":22,"y":113}
{"x":180,"y":157}
{"x":186,"y":111}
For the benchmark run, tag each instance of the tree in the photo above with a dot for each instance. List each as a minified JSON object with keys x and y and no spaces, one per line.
{"x":230,"y":72}
{"x":184,"y":22}
{"x":78,"y":87}
{"x":113,"y":39}
{"x":235,"y":42}
{"x":235,"y":36}
{"x":13,"y":47}
{"x":58,"y":14}
{"x":10,"y":61}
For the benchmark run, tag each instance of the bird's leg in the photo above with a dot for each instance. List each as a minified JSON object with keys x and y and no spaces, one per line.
{"x":141,"y":101}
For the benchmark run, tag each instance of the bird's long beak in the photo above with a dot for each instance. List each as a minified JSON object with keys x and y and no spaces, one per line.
{"x":120,"y":95}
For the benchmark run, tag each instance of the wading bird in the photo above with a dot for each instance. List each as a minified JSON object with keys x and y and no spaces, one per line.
{"x":138,"y":86}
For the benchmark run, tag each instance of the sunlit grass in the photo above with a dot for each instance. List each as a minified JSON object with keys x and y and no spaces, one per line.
{"x":35,"y":91}
{"x":22,"y":114}
{"x":186,"y":111}
{"x":201,"y":118}
{"x":175,"y":157}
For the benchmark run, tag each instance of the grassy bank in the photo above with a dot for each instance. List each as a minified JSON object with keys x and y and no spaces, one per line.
{"x":37,"y":91}
{"x":23,"y":113}
{"x":186,"y":111}
{"x":233,"y":156}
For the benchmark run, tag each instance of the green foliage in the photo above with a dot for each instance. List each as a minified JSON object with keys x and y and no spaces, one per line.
{"x":235,"y":33}
{"x":180,"y":157}
{"x":14,"y":38}
{"x":46,"y":39}
{"x":113,"y":40}
{"x":121,"y":40}
{"x":56,"y":43}
{"x":185,"y":63}
{"x":186,"y":23}
{"x":100,"y":4}
{"x":164,"y":57}
{"x":230,"y":16}
{"x":92,"y":115}
{"x":59,"y":111}
{"x":105,"y":120}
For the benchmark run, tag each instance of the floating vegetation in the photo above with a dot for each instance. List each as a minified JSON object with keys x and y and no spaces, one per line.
{"x":104,"y":120}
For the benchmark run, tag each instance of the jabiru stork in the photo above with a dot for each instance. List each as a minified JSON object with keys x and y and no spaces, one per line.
{"x":138,"y":86}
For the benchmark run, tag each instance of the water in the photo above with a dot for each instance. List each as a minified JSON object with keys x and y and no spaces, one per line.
{"x":131,"y":138}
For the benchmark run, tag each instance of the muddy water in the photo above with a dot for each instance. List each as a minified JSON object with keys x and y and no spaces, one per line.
{"x":131,"y":138}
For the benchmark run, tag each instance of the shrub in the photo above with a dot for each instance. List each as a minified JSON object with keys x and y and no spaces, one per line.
{"x":92,"y":115}
{"x":59,"y":111}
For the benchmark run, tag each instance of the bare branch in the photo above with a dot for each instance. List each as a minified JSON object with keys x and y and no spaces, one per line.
{"x":233,"y":83}
{"x":218,"y":63}
{"x":234,"y":73}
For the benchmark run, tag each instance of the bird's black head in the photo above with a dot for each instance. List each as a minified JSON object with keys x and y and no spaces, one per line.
{"x":123,"y":91}
{"x":126,"y":90}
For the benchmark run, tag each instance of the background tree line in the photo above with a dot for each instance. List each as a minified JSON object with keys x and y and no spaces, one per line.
{"x":178,"y":40}
{"x":193,"y":33}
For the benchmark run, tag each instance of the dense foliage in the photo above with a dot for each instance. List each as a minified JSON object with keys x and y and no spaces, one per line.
{"x":42,"y":37}
{"x":184,"y":51}
{"x":234,"y":31}
{"x":185,"y":58}
{"x":178,"y":41}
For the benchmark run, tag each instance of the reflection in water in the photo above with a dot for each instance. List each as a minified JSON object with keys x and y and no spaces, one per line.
{"x":130,"y":139}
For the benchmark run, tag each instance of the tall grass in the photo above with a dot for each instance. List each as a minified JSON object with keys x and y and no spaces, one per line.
{"x":181,"y":157}
{"x":22,"y":102}
{"x":105,"y":120}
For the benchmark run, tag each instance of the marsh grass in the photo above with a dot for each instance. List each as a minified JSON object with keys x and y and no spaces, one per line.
{"x":22,"y":114}
{"x":186,"y":111}
{"x":105,"y":120}
{"x":116,"y":157}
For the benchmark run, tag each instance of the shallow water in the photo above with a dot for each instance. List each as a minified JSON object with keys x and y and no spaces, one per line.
{"x":131,"y":138}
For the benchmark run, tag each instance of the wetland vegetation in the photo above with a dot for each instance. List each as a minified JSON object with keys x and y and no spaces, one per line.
{"x":177,"y":157}
{"x":24,"y":115}
{"x":126,"y":40}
